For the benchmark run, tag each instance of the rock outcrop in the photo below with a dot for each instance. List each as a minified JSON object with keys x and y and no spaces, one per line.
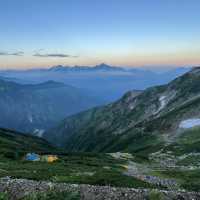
{"x":18,"y":188}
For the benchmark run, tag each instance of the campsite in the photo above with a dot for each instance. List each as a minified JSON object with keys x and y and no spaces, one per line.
{"x":41,"y":158}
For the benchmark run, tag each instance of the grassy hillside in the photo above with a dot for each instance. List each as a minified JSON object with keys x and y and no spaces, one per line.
{"x":87,"y":168}
{"x":14,"y":145}
{"x":135,"y":122}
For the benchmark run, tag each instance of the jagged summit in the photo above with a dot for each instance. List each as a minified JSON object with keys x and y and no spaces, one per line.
{"x":100,"y":67}
{"x":57,"y":67}
{"x":106,"y":67}
{"x":103,"y":65}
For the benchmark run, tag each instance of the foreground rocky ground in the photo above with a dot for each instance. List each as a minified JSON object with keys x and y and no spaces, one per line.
{"x":19,"y":188}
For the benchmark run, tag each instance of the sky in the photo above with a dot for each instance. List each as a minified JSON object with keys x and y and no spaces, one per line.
{"x":42,"y":33}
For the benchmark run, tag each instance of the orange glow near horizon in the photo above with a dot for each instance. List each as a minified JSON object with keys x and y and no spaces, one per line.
{"x":130,"y":60}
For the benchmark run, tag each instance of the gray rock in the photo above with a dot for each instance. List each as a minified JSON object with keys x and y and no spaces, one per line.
{"x":18,"y":188}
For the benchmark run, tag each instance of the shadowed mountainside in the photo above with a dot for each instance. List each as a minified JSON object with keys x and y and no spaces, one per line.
{"x":37,"y":107}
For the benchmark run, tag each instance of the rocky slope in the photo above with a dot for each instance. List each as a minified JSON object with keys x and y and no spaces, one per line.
{"x":157,"y":116}
{"x":20,"y":188}
{"x":34,"y":108}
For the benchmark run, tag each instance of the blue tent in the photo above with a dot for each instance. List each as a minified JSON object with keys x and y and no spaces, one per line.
{"x":32,"y":157}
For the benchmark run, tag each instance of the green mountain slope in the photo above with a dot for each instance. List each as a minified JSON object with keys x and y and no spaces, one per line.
{"x":13,"y":144}
{"x":146,"y":122}
{"x":35,"y":108}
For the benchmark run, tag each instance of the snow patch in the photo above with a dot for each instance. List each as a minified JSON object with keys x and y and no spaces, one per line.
{"x":189,"y":123}
{"x":163,"y":102}
{"x":30,"y":118}
{"x":38,"y":132}
{"x":120,"y":155}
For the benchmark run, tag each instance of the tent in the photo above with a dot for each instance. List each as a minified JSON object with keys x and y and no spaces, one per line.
{"x":52,"y":158}
{"x":32,"y":157}
{"x":49,"y":158}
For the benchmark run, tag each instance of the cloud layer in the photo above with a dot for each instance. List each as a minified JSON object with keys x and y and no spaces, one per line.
{"x":17,"y":53}
{"x":58,"y":55}
{"x":37,"y":54}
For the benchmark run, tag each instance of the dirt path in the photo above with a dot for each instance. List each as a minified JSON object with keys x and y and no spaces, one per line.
{"x":142,"y":172}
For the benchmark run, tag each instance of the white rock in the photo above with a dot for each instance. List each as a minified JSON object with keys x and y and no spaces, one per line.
{"x":39,"y":132}
{"x":162,"y":100}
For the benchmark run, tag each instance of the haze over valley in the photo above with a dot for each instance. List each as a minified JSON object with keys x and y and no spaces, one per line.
{"x":108,"y":82}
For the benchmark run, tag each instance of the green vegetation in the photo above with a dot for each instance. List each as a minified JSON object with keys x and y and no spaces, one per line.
{"x":96,"y":169}
{"x":190,"y":136}
{"x":3,"y":196}
{"x":13,"y":145}
{"x":187,"y":142}
{"x":156,"y":195}
{"x":86,"y":168}
{"x":191,"y":160}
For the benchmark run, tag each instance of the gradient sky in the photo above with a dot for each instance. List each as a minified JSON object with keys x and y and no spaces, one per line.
{"x":37,"y":33}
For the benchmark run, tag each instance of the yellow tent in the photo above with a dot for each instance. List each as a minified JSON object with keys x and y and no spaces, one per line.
{"x":52,"y":158}
{"x":49,"y":158}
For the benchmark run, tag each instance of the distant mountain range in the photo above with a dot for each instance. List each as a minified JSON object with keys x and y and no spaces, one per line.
{"x":103,"y":81}
{"x":37,"y":107}
{"x":160,"y":118}
{"x":101,"y":67}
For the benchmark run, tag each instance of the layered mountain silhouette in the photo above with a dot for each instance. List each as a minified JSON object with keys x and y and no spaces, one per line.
{"x":36,"y":107}
{"x":103,"y":81}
